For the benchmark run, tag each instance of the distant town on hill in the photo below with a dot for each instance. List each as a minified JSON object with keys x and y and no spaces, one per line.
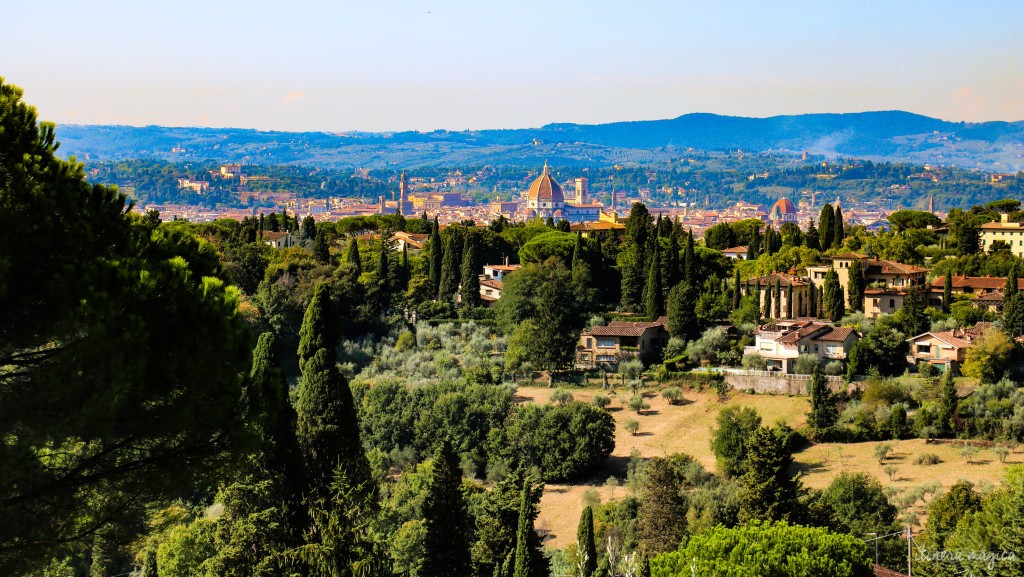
{"x":889,"y":136}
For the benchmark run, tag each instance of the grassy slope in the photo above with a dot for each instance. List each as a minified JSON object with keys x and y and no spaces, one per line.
{"x":685,"y":428}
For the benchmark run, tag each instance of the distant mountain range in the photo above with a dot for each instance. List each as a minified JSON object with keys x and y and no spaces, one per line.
{"x":881,"y":136}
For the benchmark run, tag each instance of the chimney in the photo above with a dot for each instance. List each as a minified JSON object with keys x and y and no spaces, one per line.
{"x":1004,"y":218}
{"x":506,"y":260}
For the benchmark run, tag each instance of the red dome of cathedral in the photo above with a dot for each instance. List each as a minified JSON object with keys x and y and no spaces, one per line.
{"x":546,"y":189}
{"x":783,"y":210}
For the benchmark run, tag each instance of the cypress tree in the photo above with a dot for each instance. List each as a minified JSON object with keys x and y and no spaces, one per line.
{"x":671,"y":266}
{"x":767,"y":492}
{"x":521,"y":565}
{"x":812,"y":301}
{"x":655,"y":298}
{"x":915,"y":319}
{"x":838,"y":229}
{"x":777,"y":303}
{"x":948,"y":405}
{"x":268,"y":405}
{"x":856,"y":286}
{"x":322,"y":248}
{"x":585,"y":544}
{"x":450,"y":273}
{"x":470,"y":293}
{"x":789,"y":301}
{"x":824,"y":410}
{"x":755,"y":244}
{"x":328,"y":428}
{"x":736,"y":290}
{"x":689,"y":260}
{"x":947,"y":292}
{"x":811,"y":239}
{"x":383,"y":267}
{"x":436,"y":254}
{"x":767,"y":300}
{"x":352,"y":256}
{"x":757,"y":297}
{"x":404,"y":274}
{"x":445,"y":514}
{"x":1013,"y":303}
{"x":826,"y":227}
{"x":308,"y":228}
{"x":833,"y":305}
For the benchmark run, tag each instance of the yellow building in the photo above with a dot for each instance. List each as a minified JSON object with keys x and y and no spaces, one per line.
{"x":1012,"y":233}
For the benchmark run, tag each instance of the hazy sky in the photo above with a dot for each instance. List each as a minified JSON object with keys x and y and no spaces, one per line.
{"x":399,"y":65}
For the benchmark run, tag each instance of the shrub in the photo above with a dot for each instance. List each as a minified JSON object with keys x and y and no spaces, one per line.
{"x":754,"y":362}
{"x":834,"y":368}
{"x":927,"y":459}
{"x":805,"y":364}
{"x":1002,"y":452}
{"x":968,"y":452}
{"x":890,"y":471}
{"x":885,"y":392}
{"x":672,"y":394}
{"x":601,"y":401}
{"x":591,"y":498}
{"x":637,"y":404}
{"x":561,"y":397}
{"x":926,"y":370}
{"x":632,"y":425}
{"x":882,"y":451}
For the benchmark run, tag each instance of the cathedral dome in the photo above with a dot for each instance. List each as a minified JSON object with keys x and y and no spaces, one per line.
{"x":782,"y":210}
{"x":545,"y":189}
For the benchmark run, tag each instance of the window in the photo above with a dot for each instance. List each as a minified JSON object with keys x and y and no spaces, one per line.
{"x":606,"y":343}
{"x":606,"y":358}
{"x":590,"y":343}
{"x":924,"y":349}
{"x":815,"y":347}
{"x":892,"y":304}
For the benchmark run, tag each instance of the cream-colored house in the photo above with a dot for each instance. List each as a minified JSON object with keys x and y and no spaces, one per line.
{"x":1012,"y":233}
{"x":780,"y":343}
{"x":608,"y":344}
{"x":945,"y":349}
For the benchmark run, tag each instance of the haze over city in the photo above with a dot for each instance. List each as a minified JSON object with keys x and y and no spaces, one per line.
{"x":405,"y":65}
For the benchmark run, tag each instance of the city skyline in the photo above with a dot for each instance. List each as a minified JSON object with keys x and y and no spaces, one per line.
{"x":455,"y":65}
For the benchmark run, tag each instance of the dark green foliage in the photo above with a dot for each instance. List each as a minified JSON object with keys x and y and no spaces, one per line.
{"x":352,"y":256}
{"x":729,"y":441}
{"x":585,"y":545}
{"x":767,"y":310}
{"x":563,"y":441}
{"x":947,"y":292}
{"x":122,"y":353}
{"x":497,"y":525}
{"x":522,"y":566}
{"x":1013,"y":303}
{"x":384,"y":284}
{"x":308,"y":228}
{"x":445,"y":516}
{"x":855,"y":504}
{"x":768,"y":493}
{"x":789,"y":302}
{"x":812,"y":238}
{"x":838,"y":229}
{"x":946,"y":511}
{"x":883,"y":348}
{"x":720,"y":236}
{"x":450,"y":269}
{"x":812,"y":301}
{"x":436,"y":257}
{"x":671,"y":267}
{"x":903,"y":220}
{"x":834,"y":305}
{"x":826,"y":227}
{"x":855,"y":287}
{"x":655,"y":300}
{"x":689,"y":261}
{"x":777,"y":301}
{"x":682,"y":315}
{"x":322,"y":247}
{"x":912,"y":318}
{"x":948,"y":405}
{"x":824,"y":404}
{"x":763,"y":549}
{"x":661,"y":520}
{"x":319,"y":326}
{"x":544,"y":246}
{"x":470,"y":285}
{"x":736,"y":290}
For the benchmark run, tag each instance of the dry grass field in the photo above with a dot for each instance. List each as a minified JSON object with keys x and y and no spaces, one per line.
{"x":686,"y":428}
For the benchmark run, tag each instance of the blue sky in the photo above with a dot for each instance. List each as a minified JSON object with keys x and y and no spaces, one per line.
{"x":423,"y":65}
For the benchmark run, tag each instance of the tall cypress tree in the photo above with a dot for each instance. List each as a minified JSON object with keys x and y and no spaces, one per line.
{"x":736,"y":290}
{"x":671,"y":263}
{"x":757,"y":297}
{"x":661,"y":519}
{"x":826,"y":227}
{"x":383,"y":267}
{"x":522,"y":562}
{"x":470,"y":293}
{"x":352,"y":255}
{"x":812,"y":301}
{"x":833,"y":305}
{"x":856,"y":286}
{"x":824,"y":409}
{"x":753,"y":249}
{"x":268,"y":405}
{"x":1013,"y":304}
{"x":838,"y":228}
{"x":328,"y":428}
{"x":767,"y":310}
{"x":585,"y":545}
{"x":789,"y":301}
{"x":689,"y":261}
{"x":436,"y":255}
{"x":655,"y":298}
{"x":767,"y":492}
{"x":450,"y":269}
{"x":947,"y":292}
{"x":777,"y":303}
{"x":308,"y":228}
{"x":812,"y":238}
{"x":404,"y":272}
{"x":445,"y":515}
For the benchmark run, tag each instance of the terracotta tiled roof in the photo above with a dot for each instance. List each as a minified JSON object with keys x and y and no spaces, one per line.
{"x":950,"y":338}
{"x":784,"y":280}
{"x":627,"y":328}
{"x":545,"y":188}
{"x":975,"y":282}
{"x":891,"y":267}
{"x":268,"y":235}
{"x":505,"y":267}
{"x":979,"y":328}
{"x":838,"y":334}
{"x":879,"y":571}
{"x":490,"y":282}
{"x":736,"y":249}
{"x":849,"y":255}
